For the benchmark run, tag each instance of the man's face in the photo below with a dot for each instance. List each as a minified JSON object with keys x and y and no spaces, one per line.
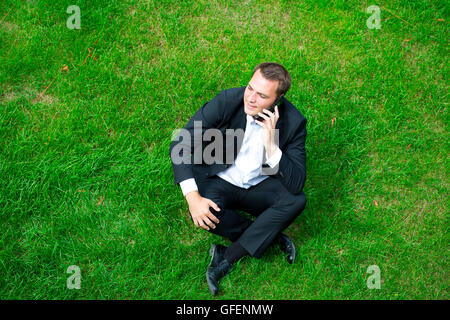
{"x":260,"y":94}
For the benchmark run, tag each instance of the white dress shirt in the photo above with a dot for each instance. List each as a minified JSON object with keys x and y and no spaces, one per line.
{"x":246,"y":170}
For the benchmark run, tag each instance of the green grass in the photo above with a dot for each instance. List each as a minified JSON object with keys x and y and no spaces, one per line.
{"x":85,"y":173}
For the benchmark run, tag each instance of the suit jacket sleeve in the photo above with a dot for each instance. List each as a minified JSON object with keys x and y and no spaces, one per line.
{"x":210,"y":115}
{"x":292,"y":165}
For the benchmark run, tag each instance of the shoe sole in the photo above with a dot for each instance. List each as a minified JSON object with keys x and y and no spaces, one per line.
{"x":293,"y":256}
{"x":211,"y":253}
{"x":212,"y":249}
{"x":210,"y":287}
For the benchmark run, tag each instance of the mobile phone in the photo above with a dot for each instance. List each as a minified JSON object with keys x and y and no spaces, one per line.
{"x":272,"y":107}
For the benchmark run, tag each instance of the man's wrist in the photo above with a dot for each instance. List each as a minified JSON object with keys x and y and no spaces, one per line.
{"x":272,"y":151}
{"x":273,"y":160}
{"x":192,"y":195}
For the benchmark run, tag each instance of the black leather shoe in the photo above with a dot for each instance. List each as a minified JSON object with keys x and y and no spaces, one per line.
{"x":216,"y":252}
{"x":217,"y":272}
{"x":287,"y":246}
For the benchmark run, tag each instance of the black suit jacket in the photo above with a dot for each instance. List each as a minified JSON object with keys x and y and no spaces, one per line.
{"x":226,"y":111}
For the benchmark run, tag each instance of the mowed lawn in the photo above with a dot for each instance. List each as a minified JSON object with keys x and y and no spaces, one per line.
{"x":86,"y":118}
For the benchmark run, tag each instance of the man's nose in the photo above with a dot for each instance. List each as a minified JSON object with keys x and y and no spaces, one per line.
{"x":252,"y":97}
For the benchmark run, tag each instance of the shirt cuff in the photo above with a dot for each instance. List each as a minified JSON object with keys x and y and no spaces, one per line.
{"x":188,"y":185}
{"x":275,"y":159}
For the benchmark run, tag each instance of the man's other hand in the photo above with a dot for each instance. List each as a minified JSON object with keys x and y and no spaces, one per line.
{"x":199,"y":208}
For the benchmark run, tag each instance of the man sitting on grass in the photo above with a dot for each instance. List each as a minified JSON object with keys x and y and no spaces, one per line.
{"x":265,"y":177}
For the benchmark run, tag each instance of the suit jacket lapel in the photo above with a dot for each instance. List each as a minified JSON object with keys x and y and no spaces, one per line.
{"x":238,"y":122}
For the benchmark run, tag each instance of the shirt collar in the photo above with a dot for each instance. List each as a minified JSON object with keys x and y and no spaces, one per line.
{"x":250,"y":119}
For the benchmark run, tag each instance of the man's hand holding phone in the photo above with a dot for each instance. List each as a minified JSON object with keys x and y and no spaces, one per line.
{"x":199,"y":208}
{"x":269,"y":123}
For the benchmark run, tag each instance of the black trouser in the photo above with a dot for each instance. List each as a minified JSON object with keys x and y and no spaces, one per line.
{"x":272,"y":204}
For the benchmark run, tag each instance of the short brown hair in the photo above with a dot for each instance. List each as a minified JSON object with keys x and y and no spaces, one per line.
{"x":275,"y":71}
